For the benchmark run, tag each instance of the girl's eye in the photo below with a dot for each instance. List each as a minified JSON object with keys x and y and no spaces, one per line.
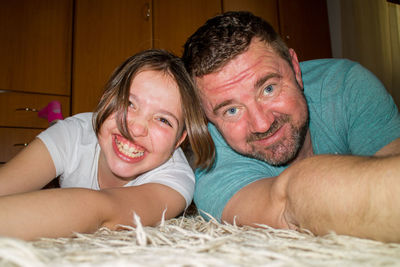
{"x":165,"y":121}
{"x":268,"y":90}
{"x":131,"y":105}
{"x":231,"y":111}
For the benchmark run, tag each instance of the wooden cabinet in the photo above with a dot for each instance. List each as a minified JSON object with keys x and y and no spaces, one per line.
{"x":14,"y":140}
{"x":66,"y":50}
{"x":19,"y":121}
{"x":303,"y":24}
{"x":266,"y":9}
{"x":35,"y":47}
{"x":174,"y":21}
{"x":107,"y":32}
{"x":20,"y":109}
{"x":35,"y":67}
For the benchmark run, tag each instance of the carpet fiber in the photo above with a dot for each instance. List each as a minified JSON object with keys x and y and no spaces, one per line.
{"x":191,"y":241}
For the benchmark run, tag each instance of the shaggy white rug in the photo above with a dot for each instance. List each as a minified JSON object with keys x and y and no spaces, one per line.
{"x":191,"y":241}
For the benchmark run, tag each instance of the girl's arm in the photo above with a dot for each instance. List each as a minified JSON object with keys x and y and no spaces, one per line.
{"x":29,"y":170}
{"x":60,"y":212}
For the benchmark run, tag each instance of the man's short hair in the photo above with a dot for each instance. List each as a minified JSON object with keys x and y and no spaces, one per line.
{"x":224,"y":37}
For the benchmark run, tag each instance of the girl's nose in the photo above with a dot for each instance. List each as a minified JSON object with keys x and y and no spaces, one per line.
{"x":138,"y":127}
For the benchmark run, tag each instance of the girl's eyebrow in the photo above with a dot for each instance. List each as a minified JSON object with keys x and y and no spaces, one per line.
{"x":163,"y":111}
{"x":260,"y":82}
{"x":132,"y":96}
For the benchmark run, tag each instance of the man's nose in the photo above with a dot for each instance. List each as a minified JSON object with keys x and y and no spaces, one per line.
{"x":260,"y":119}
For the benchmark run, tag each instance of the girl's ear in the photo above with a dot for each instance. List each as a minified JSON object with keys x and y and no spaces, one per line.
{"x":181,"y":139}
{"x":296,"y":67}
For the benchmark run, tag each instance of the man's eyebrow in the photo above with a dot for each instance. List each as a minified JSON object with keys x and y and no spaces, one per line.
{"x":260,"y":82}
{"x":221,"y":105}
{"x":257,"y":84}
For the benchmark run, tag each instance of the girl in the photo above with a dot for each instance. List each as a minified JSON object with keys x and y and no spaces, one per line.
{"x":128,"y":161}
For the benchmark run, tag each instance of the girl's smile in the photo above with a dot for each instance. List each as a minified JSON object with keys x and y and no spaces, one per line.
{"x":126,"y":150}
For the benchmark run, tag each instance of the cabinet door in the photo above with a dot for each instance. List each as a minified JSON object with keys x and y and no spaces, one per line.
{"x":35,"y":47}
{"x":20,"y":109}
{"x":13,"y":140}
{"x":106,"y":33}
{"x":305,"y":27}
{"x":266,"y":9}
{"x":176,"y":20}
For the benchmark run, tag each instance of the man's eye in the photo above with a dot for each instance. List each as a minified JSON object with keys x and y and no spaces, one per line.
{"x":231,"y":111}
{"x":268,"y":90}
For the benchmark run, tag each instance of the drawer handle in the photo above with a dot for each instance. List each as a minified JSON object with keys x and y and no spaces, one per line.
{"x":146,"y":11}
{"x":21,"y":144}
{"x":27,"y":109}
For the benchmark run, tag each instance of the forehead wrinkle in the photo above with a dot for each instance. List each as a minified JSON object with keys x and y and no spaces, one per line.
{"x":226,"y":84}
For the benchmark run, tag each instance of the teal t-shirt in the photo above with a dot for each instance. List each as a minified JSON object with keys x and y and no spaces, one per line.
{"x":350,"y":113}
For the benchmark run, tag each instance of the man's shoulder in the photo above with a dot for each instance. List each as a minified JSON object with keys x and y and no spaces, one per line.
{"x":216,"y":135}
{"x":326,"y":63}
{"x":326,"y":78}
{"x":318,"y":68}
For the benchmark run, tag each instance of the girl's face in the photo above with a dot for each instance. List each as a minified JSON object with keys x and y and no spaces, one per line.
{"x":155,"y":121}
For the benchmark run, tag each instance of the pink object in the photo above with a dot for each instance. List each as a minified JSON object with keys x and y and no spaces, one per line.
{"x":51,"y":112}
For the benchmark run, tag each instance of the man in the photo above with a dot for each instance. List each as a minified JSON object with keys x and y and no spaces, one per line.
{"x":271,"y":120}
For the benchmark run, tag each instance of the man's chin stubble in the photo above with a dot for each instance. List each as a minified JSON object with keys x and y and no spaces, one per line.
{"x":287,"y":154}
{"x":274,"y":157}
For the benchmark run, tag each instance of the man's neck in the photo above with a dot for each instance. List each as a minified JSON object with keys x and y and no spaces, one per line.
{"x":307,"y":149}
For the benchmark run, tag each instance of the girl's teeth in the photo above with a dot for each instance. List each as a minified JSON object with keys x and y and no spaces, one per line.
{"x":128,"y":151}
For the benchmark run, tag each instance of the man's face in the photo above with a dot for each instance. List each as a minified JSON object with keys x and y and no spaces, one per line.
{"x":257,"y":103}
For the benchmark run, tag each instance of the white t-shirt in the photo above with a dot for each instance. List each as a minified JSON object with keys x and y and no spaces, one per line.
{"x":75,"y":151}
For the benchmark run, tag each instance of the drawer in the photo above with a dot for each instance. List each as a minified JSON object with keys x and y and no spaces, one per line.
{"x":13,"y":140}
{"x":20,"y":109}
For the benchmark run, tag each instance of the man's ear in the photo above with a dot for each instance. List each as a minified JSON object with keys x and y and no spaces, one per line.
{"x":296,"y":67}
{"x":181,"y":139}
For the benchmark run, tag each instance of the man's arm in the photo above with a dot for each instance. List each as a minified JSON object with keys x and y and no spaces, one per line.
{"x":261,"y":202}
{"x":350,"y":195}
{"x":60,"y":212}
{"x":392,"y":148}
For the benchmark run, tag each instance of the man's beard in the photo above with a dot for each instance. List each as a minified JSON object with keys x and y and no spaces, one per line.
{"x":283,"y":151}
